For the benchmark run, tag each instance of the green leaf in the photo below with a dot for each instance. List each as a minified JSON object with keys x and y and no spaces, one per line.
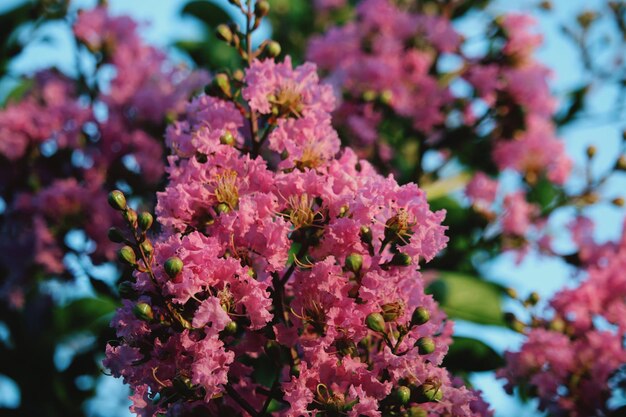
{"x":84,"y":314}
{"x":471,"y":355}
{"x":18,"y":91}
{"x":211,"y":14}
{"x":469,"y":298}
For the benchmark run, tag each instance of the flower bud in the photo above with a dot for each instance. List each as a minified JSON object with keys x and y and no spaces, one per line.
{"x":115,"y":235}
{"x":131,"y":217}
{"x":621,"y":163}
{"x":591,"y":151}
{"x":235,"y":2}
{"x":354,"y":262}
{"x":238,"y":75}
{"x":533,"y":298}
{"x":391,"y":311}
{"x":273,"y":350}
{"x":429,"y":391}
{"x":386,"y":97}
{"x":420,"y":316}
{"x":143,"y":311}
{"x":511,"y":292}
{"x":231,"y":328}
{"x":425,"y":345}
{"x":127,"y":255}
{"x":222,"y":208}
{"x":366,"y":235}
{"x":261,"y":8}
{"x":146,"y":247}
{"x":126,"y":289}
{"x":145,"y":220}
{"x":401,"y":259}
{"x":375,"y":322}
{"x":173,"y":266}
{"x":117,"y":200}
{"x":513,"y":323}
{"x":557,"y":325}
{"x":273,"y":49}
{"x":222,"y":84}
{"x":369,"y":95}
{"x":227,"y":139}
{"x":402,"y":395}
{"x":618,"y":202}
{"x":224,"y":33}
{"x":416,"y":411}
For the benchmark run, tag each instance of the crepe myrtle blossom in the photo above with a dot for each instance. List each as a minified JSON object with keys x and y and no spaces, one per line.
{"x":573,"y":359}
{"x":62,"y":148}
{"x":285,"y":280}
{"x":398,"y":103}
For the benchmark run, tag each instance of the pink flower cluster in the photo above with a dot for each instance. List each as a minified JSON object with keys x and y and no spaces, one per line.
{"x":298,"y":290}
{"x":575,"y":360}
{"x":387,"y":64}
{"x":63,"y":147}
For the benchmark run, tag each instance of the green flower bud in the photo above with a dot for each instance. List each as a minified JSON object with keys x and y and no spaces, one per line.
{"x":146,"y":247}
{"x":401,"y":259}
{"x":369,"y":95}
{"x":231,"y":328}
{"x":366,"y":235}
{"x":354,"y":262}
{"x":127,"y":255}
{"x":115,"y":235}
{"x":420,"y":316}
{"x":222,"y":208}
{"x":261,"y":8}
{"x":238,"y":75}
{"x":621,"y":163}
{"x":513,"y":323}
{"x":117,"y":200}
{"x":173,"y":266}
{"x":224,"y":33}
{"x":429,"y":391}
{"x":227,"y":139}
{"x":145,"y":220}
{"x":222,"y":83}
{"x":557,"y":324}
{"x":391,"y":311}
{"x":416,"y":411}
{"x":131,"y":216}
{"x":402,"y":395}
{"x":126,"y":290}
{"x":273,"y":49}
{"x":375,"y":322}
{"x":511,"y":292}
{"x":386,"y":97}
{"x":143,"y":311}
{"x":425,"y":345}
{"x":533,"y":298}
{"x":273,"y":350}
{"x":284,"y":155}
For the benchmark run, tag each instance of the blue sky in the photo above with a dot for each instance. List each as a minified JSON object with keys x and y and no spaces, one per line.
{"x":163,"y":25}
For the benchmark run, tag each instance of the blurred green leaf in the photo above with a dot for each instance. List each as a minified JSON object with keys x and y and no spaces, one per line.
{"x":211,"y":14}
{"x":18,"y":92}
{"x":469,"y":298}
{"x":471,"y":355}
{"x":84,"y":313}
